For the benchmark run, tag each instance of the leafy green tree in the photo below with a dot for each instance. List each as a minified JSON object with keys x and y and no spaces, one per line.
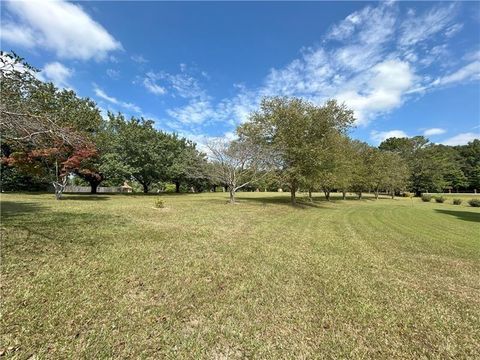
{"x":361,"y":180}
{"x":294,"y":132}
{"x":389,"y":172}
{"x":432,"y":167}
{"x":143,"y":152}
{"x":470,"y":163}
{"x":188,"y":165}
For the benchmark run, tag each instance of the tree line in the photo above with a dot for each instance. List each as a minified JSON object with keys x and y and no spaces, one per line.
{"x":48,"y":135}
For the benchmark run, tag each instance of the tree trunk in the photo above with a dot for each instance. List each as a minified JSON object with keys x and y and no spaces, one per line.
{"x":232,"y":195}
{"x":376,"y":193}
{"x":393,"y":194}
{"x":59,"y":187}
{"x":93,"y":186}
{"x":293,"y":190}
{"x":177,"y":186}
{"x":344,"y":195}
{"x":310,"y":195}
{"x":327,"y":194}
{"x":214,"y":188}
{"x":359,"y":195}
{"x":145,"y":188}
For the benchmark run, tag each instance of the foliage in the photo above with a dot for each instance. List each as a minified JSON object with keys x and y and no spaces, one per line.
{"x":457,"y":201}
{"x":295,"y":134}
{"x":474,"y":202}
{"x":426,"y":197}
{"x":43,"y":129}
{"x":48,"y":134}
{"x":159,"y":203}
{"x":440,"y":199}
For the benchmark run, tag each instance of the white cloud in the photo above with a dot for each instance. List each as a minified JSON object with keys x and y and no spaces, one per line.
{"x":139,"y":59}
{"x":453,"y":30}
{"x":182,"y":84}
{"x":434,"y":131}
{"x":461,"y":139}
{"x":103,"y":95}
{"x":60,"y":26}
{"x":420,"y":28}
{"x":469,"y":72}
{"x":151,"y":86}
{"x":374,"y":60}
{"x":56,"y":73}
{"x":195,"y":112}
{"x":17,"y":34}
{"x":113,"y":74}
{"x":379,"y":136}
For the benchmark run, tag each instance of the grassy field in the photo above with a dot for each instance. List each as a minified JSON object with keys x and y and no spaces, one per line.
{"x":115,"y":277}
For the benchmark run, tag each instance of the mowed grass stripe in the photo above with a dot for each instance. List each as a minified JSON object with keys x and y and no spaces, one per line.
{"x":203,"y":279}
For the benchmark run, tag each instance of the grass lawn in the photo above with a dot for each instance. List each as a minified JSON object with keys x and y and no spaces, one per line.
{"x":113,"y":277}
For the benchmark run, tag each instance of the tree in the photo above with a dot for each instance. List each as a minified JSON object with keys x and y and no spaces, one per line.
{"x":432,"y":167}
{"x":143,"y":152}
{"x":236,"y":164}
{"x":470,"y":163}
{"x":361,"y":177}
{"x":188,"y":165}
{"x":42,"y":127}
{"x":294,"y":132}
{"x":344,"y":165}
{"x":389,"y":172}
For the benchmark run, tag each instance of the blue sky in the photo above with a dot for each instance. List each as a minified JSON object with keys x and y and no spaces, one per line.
{"x":199,"y":68}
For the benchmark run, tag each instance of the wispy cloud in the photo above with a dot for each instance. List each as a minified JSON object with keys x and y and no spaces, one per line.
{"x":461,"y":139}
{"x":126,"y":105}
{"x":183,"y":84}
{"x":60,"y":26}
{"x":139,"y":59}
{"x":374,"y":60}
{"x":113,"y":74}
{"x":434,"y":131}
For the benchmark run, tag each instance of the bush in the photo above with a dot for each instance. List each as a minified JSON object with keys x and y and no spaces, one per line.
{"x":439,"y":199}
{"x":457,"y":201}
{"x":474,"y":202}
{"x":426,"y":197}
{"x":407,"y":194}
{"x":159,"y":203}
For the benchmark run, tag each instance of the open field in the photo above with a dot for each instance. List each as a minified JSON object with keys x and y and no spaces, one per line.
{"x":112,"y":276}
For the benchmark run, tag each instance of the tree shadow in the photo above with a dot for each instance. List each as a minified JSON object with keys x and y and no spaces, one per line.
{"x":35,"y":226}
{"x":301,"y":203}
{"x":12,"y":208}
{"x":462,"y":215}
{"x":85,"y":197}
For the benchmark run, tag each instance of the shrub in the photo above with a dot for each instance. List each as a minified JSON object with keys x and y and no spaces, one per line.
{"x":439,"y":199}
{"x":474,"y":202}
{"x":457,"y":201}
{"x":426,"y":197}
{"x":407,"y":194}
{"x":159,"y":203}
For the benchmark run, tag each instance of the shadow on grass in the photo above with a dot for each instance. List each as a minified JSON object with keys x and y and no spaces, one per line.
{"x":462,"y":215}
{"x":302,"y":202}
{"x":67,"y":197}
{"x":13,"y":208}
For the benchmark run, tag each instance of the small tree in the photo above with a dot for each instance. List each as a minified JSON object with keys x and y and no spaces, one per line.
{"x":236,"y":164}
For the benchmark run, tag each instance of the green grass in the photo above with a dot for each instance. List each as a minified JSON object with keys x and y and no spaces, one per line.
{"x":116,"y":277}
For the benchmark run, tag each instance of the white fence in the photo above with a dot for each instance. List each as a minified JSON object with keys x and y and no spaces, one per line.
{"x":100,"y":189}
